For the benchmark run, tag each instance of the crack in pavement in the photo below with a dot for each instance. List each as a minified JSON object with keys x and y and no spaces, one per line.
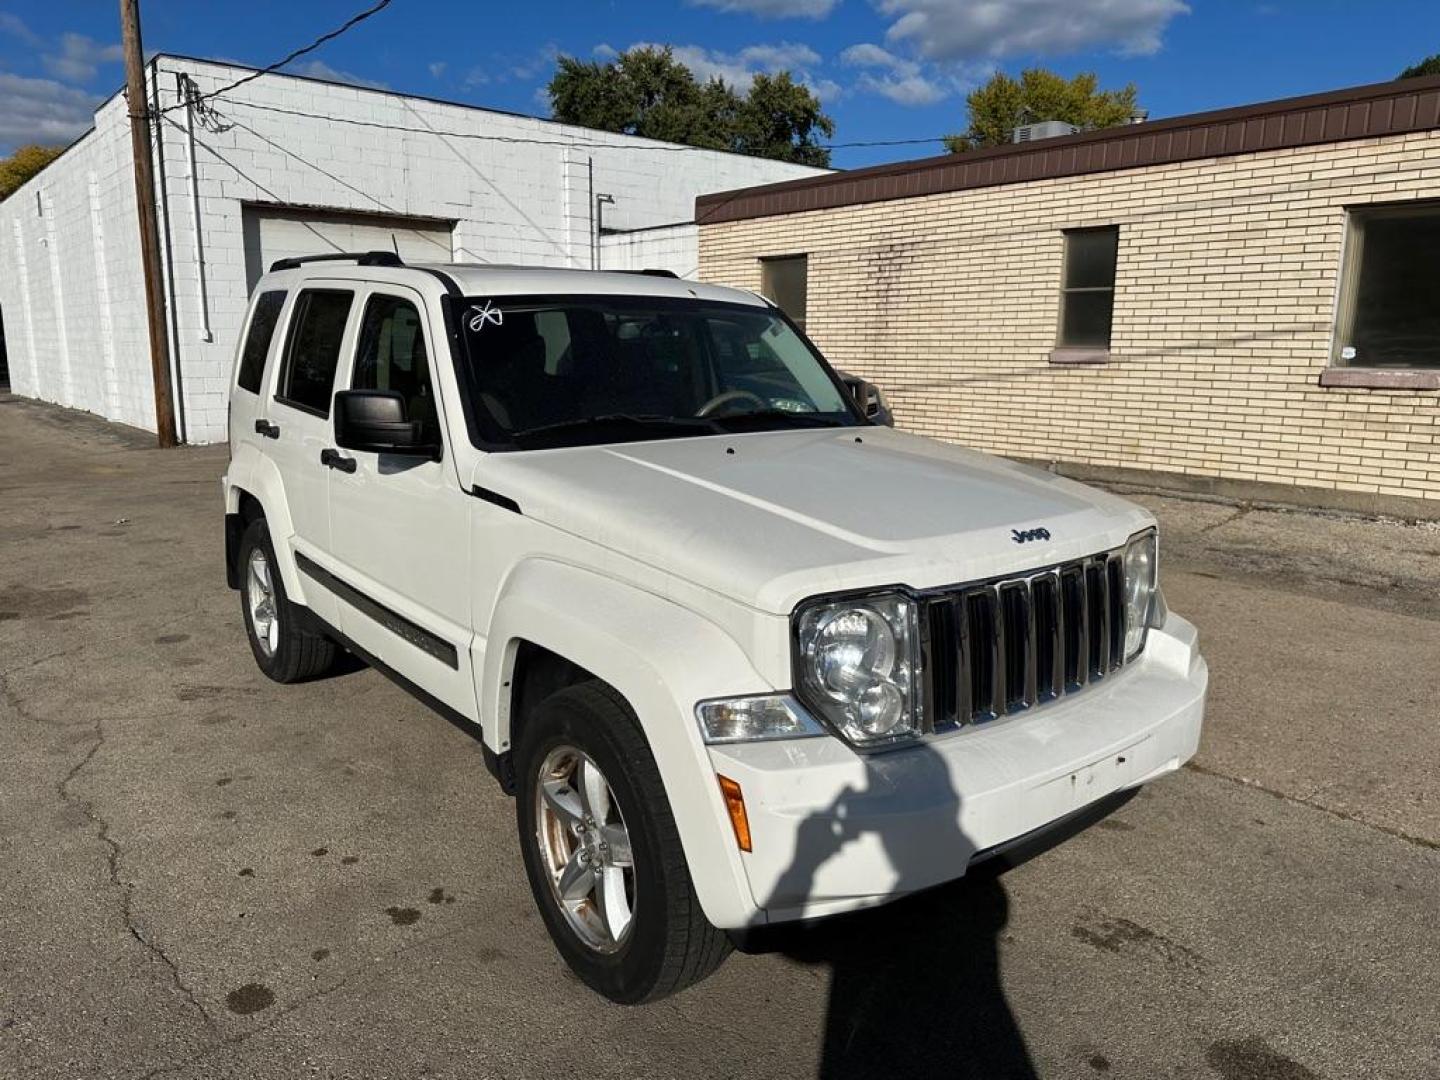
{"x":1240,"y":512}
{"x":1308,"y":800}
{"x":112,"y":846}
{"x":369,"y":970}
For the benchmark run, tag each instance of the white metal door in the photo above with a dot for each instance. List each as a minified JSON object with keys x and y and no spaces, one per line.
{"x":296,"y":423}
{"x":399,"y":526}
{"x":274,"y":232}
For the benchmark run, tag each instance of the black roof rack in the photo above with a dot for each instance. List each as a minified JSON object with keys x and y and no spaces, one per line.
{"x":651,"y":272}
{"x":360,"y":258}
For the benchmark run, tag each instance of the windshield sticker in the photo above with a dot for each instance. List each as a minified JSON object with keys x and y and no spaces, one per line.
{"x":479,"y":316}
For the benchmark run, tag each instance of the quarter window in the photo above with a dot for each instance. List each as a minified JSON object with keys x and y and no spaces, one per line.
{"x":1087,"y":293}
{"x":785,"y":282}
{"x":1390,"y":299}
{"x":313,"y":349}
{"x":391,"y":356}
{"x":257,"y":340}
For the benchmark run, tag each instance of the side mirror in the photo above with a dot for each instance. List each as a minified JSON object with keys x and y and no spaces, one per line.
{"x":870,"y":398}
{"x":375,"y":421}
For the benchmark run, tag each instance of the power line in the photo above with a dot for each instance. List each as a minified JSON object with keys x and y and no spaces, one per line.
{"x":354,"y":20}
{"x":573,"y":144}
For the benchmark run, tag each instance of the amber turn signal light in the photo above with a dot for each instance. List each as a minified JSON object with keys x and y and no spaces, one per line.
{"x":735,"y":806}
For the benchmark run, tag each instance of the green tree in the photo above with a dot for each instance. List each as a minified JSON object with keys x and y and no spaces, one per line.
{"x":23,"y":164}
{"x":1003,"y":104}
{"x":1429,"y":66}
{"x":648,"y":92}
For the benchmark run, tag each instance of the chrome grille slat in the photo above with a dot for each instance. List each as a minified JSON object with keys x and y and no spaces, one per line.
{"x":1000,"y":660}
{"x":1027,"y":640}
{"x":961,"y":619}
{"x":1032,"y":679}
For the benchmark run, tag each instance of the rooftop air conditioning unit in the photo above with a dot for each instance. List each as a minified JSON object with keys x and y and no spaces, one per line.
{"x":1046,"y":129}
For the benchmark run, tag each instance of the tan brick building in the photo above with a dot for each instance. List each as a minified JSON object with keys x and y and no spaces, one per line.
{"x":1232,"y":300}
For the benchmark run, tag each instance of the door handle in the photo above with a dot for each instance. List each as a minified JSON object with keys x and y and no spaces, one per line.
{"x":333,"y":459}
{"x":266,"y":428}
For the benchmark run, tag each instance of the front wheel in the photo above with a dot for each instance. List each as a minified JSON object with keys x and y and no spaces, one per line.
{"x":602,"y":853}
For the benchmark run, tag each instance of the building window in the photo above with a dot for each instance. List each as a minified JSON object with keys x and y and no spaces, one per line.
{"x":1087,"y":291}
{"x":1390,"y":293}
{"x":784,"y":281}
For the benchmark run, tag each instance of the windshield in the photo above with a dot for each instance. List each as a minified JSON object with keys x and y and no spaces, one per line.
{"x":563,"y":371}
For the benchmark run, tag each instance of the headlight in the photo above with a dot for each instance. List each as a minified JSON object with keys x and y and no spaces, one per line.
{"x":750,"y":719}
{"x":1141,"y":556}
{"x":857,"y":665}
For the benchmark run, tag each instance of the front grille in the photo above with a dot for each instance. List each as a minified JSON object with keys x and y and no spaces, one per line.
{"x":1005,"y":646}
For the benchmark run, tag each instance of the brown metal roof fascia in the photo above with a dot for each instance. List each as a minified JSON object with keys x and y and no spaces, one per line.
{"x":1361,"y":112}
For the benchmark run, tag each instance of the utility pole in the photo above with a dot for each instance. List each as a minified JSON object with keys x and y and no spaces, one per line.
{"x":149,"y":226}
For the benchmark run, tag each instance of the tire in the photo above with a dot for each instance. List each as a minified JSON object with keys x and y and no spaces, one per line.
{"x":667,"y":944}
{"x":288,"y":650}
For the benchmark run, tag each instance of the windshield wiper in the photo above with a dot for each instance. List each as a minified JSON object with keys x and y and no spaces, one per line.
{"x":625,"y":423}
{"x":790,"y":419}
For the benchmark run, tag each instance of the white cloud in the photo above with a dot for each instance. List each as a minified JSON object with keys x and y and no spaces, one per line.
{"x":318,"y":69}
{"x":15,"y":26}
{"x":899,"y":79}
{"x":41,"y":111}
{"x":80,"y":58}
{"x":738,"y":69}
{"x":542,"y":60}
{"x":605,"y":51}
{"x":437,"y":69}
{"x":910,"y":90}
{"x":773,"y":9}
{"x":951,"y":30}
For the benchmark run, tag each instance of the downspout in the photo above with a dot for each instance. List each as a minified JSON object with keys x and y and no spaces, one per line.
{"x":594,"y":231}
{"x":162,"y":195}
{"x":182,"y":85}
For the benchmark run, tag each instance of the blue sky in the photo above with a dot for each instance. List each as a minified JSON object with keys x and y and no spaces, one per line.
{"x":886,"y":69}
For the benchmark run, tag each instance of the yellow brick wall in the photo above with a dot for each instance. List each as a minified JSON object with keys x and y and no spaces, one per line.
{"x":1225,"y":294}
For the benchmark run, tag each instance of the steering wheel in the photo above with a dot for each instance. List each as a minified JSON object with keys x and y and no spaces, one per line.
{"x":727,"y":396}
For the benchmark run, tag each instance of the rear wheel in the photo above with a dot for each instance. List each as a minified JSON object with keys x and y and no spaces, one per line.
{"x":602,"y":852}
{"x":285,"y":648}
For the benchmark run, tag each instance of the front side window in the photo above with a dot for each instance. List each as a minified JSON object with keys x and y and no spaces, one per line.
{"x":786,"y":282}
{"x":313,"y":349}
{"x":1390,"y":300}
{"x":257,"y":340}
{"x":391,"y":355}
{"x":570,"y":370}
{"x":1087,"y":293}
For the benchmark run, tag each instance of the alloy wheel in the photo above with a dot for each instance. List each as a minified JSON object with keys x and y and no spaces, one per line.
{"x":260,"y":594}
{"x":585,"y":849}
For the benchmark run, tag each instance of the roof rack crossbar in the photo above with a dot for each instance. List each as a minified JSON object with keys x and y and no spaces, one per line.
{"x":652,"y":272}
{"x":360,"y":258}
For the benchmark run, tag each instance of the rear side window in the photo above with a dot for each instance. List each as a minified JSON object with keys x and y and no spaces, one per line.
{"x":257,"y":341}
{"x":313,"y":349}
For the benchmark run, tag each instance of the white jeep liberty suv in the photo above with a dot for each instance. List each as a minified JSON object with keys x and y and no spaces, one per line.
{"x":743,"y":656}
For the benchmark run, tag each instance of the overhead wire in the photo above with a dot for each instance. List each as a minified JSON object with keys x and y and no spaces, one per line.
{"x":575,"y":144}
{"x":354,"y":20}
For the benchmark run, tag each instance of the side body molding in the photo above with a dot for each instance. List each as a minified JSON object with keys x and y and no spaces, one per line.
{"x":663,"y":658}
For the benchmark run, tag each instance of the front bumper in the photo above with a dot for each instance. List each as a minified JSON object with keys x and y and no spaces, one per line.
{"x":835,"y":831}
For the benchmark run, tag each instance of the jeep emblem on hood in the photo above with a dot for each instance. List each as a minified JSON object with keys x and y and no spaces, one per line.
{"x":1025,"y":536}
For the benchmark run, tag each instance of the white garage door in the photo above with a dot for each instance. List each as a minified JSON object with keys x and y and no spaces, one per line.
{"x":274,"y":233}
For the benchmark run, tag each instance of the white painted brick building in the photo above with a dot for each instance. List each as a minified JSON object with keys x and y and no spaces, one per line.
{"x":288,"y":165}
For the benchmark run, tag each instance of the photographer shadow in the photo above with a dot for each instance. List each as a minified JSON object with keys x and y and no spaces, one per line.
{"x":915,"y":986}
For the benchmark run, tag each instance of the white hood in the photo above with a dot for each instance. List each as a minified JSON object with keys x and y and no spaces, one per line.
{"x":771,"y":518}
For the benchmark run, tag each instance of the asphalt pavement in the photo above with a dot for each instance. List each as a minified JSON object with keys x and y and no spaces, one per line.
{"x":204,"y":874}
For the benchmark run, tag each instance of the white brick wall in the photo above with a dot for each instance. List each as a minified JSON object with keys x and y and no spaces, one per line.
{"x":669,"y":247}
{"x":70,"y":283}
